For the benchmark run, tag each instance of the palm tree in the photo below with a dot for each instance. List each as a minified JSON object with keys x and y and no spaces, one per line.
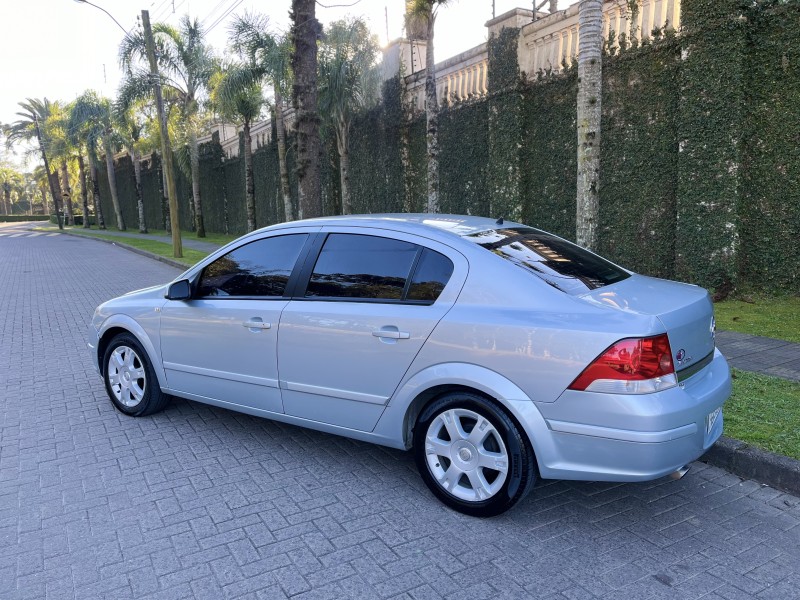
{"x":34,"y":113}
{"x":348,"y":82}
{"x":39,"y":178}
{"x":92,"y":115}
{"x":186,"y":64}
{"x":10,"y":180}
{"x":304,"y":35}
{"x":590,"y":82}
{"x":131,"y":124}
{"x":240,"y":104}
{"x":62,"y":152}
{"x":267,"y":58}
{"x":423,"y":13}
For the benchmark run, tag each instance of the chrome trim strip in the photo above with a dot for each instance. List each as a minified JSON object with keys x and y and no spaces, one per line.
{"x":625,"y":435}
{"x":326,"y":391}
{"x":684,"y":374}
{"x":273,"y":383}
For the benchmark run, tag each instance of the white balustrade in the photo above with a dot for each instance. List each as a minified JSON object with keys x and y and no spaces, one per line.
{"x":549,"y":42}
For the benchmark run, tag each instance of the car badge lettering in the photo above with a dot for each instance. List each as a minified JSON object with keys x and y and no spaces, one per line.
{"x":681,"y":358}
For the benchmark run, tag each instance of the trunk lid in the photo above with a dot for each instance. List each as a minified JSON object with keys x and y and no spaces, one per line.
{"x":686,"y":311}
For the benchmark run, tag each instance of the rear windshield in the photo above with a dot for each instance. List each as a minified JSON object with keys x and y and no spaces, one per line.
{"x":559,"y":263}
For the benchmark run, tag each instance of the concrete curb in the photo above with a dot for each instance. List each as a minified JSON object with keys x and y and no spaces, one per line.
{"x":749,"y":462}
{"x":163,"y":259}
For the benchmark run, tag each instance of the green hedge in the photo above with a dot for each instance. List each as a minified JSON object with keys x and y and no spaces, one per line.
{"x":23,"y":218}
{"x":53,"y":219}
{"x":700,"y":158}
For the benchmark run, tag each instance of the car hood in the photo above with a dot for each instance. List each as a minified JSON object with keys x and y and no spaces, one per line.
{"x":147,"y":292}
{"x":685,"y":310}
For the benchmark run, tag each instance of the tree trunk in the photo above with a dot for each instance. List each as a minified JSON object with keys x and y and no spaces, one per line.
{"x":432,"y":116}
{"x":66,"y":193}
{"x":590,"y":81}
{"x":194,"y":159}
{"x":249,"y":190}
{"x":137,"y":175}
{"x":112,"y":182}
{"x":84,"y":192}
{"x":162,"y":189}
{"x":47,"y":170}
{"x":43,"y":192}
{"x":305,"y":32}
{"x":281,"y":134}
{"x":344,"y":166}
{"x":98,"y":208}
{"x":7,"y":199}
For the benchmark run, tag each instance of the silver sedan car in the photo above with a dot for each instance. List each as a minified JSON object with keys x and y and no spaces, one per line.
{"x":497,"y":352}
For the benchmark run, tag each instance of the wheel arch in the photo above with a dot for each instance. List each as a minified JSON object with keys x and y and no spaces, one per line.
{"x":432,"y":382}
{"x":119,"y":324}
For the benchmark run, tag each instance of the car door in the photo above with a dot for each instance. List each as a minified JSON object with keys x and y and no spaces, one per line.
{"x":222,"y":344}
{"x":366,"y":303}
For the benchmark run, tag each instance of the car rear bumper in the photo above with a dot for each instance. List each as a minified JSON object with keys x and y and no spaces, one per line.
{"x":610,"y":437}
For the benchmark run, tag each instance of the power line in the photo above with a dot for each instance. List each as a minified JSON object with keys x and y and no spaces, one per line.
{"x":212,"y":11}
{"x":224,"y":16}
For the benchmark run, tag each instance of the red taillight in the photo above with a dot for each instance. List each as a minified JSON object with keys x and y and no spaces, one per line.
{"x":632,"y":359}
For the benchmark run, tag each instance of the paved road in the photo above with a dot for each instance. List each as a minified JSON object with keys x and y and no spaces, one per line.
{"x":198,"y":502}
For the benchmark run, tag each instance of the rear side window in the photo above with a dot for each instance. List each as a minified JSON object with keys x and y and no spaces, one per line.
{"x":362,"y":266}
{"x":261,"y":268}
{"x":558,"y":262}
{"x":431,"y":275}
{"x":376,"y":268}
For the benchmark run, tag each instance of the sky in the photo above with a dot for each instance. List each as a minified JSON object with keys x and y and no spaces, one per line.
{"x":59,"y":48}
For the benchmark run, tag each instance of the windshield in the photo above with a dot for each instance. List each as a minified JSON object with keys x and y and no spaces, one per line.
{"x":558,"y":262}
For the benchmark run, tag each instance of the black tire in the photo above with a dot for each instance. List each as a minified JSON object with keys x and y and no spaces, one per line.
{"x":520,"y":474}
{"x":152,"y":399}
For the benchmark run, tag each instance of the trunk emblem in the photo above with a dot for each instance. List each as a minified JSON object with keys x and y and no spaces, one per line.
{"x":681,"y":357}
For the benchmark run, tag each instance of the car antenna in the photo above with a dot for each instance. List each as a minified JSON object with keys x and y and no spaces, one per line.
{"x":499,"y":221}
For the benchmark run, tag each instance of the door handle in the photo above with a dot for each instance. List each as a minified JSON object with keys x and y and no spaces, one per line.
{"x":393,"y":334}
{"x":257,"y":325}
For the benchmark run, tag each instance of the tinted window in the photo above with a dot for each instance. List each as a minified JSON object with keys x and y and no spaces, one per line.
{"x":431,"y":275}
{"x":260,"y":268}
{"x":559,"y":263}
{"x":362,"y":266}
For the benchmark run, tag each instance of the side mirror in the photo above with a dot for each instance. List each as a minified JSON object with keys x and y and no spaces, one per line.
{"x":180,"y":290}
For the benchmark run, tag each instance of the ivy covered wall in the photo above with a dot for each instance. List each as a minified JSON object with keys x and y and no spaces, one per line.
{"x":700,"y":154}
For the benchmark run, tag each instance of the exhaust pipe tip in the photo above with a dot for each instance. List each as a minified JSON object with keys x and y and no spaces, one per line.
{"x":680,"y":472}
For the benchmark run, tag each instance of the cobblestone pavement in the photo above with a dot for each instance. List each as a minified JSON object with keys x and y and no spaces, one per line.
{"x":198,"y":502}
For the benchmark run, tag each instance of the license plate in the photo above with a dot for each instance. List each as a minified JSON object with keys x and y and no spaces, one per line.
{"x":712,"y":418}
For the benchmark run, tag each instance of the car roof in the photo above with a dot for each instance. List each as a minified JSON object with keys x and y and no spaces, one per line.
{"x":459,"y":225}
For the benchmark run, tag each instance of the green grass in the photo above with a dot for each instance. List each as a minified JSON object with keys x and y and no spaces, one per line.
{"x":771,"y":317}
{"x":213,"y":238}
{"x":765,"y":412}
{"x":190,"y":257}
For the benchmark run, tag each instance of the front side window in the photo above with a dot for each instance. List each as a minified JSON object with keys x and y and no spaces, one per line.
{"x":559,"y":263}
{"x":362,"y":266}
{"x":261,"y":268}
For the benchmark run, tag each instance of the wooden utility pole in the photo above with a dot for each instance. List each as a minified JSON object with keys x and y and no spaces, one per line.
{"x":166,"y":147}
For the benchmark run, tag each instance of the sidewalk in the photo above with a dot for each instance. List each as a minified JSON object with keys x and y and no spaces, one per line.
{"x":763,"y":355}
